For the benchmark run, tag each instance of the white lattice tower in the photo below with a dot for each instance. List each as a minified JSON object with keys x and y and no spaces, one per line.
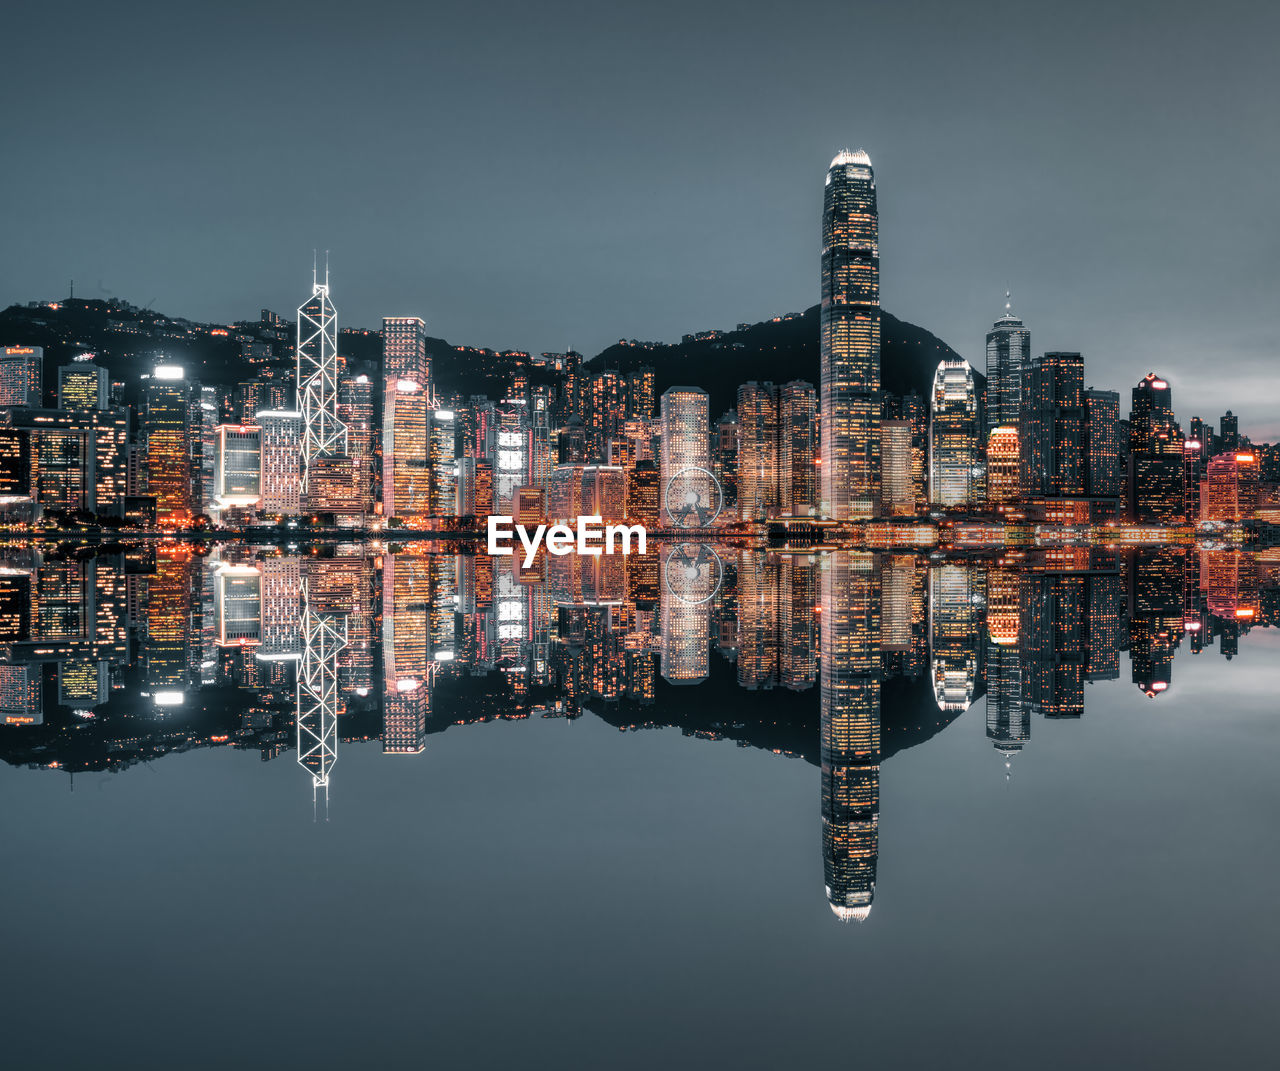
{"x":323,"y":434}
{"x":324,"y":636}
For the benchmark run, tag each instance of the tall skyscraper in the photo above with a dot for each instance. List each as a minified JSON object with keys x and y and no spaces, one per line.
{"x":355,"y":410}
{"x":323,"y":434}
{"x":281,"y":446}
{"x":1051,"y":436}
{"x":406,"y":418}
{"x":1008,"y":354}
{"x":1104,"y":450}
{"x":797,"y":449}
{"x":954,"y":467}
{"x":757,"y":450}
{"x":896,"y":488}
{"x":404,"y":350}
{"x":166,"y":438}
{"x":687,"y":496}
{"x":1155,"y":478}
{"x":1230,"y":432}
{"x":850,"y":340}
{"x":913,"y":410}
{"x":724,"y":456}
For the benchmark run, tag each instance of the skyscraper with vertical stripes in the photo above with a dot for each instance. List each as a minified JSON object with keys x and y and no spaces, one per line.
{"x":850,"y":340}
{"x":1008,"y":354}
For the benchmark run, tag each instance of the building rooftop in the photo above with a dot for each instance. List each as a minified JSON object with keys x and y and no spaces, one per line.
{"x":845,"y":156}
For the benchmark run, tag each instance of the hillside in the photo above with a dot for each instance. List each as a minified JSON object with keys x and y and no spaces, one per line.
{"x":778,"y":350}
{"x":128,"y":341}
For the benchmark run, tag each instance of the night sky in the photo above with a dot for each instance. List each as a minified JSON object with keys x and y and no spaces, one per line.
{"x":549,"y":175}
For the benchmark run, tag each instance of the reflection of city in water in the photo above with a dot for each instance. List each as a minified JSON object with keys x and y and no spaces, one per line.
{"x":120,"y":656}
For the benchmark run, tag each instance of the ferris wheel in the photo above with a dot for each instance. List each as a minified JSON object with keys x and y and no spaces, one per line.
{"x":693,"y":498}
{"x":692,"y":573}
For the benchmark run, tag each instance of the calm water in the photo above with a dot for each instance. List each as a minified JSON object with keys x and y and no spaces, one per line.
{"x":861,"y":809}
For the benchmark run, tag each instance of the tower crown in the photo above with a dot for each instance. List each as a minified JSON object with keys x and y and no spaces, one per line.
{"x":845,"y":156}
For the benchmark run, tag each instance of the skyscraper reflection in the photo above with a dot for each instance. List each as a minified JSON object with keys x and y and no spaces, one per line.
{"x":850,"y":730}
{"x":253,"y":648}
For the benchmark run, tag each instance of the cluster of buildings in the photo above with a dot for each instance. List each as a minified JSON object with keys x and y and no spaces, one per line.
{"x":556,"y":437}
{"x":1036,"y":444}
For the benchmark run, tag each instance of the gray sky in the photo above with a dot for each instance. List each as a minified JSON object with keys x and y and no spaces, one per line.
{"x":552,"y":174}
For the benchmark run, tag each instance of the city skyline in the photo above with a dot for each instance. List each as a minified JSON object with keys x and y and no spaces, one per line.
{"x":758,"y":524}
{"x":1091,"y":199}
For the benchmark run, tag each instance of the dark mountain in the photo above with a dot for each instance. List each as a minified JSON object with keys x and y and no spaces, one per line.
{"x":781,"y":349}
{"x":129,"y":340}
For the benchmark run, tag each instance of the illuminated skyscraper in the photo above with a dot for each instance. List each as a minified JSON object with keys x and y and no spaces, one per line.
{"x":1051,"y":435}
{"x":238,"y":474}
{"x":603,"y":410}
{"x":850,"y":340}
{"x":1002,"y":465}
{"x":912,"y":410}
{"x":21,"y":376}
{"x":404,"y":351}
{"x":1229,"y":426}
{"x":355,"y":410}
{"x":1104,"y":475}
{"x":323,"y":434}
{"x":896,"y":487}
{"x":1231,"y":486}
{"x":954,"y":467}
{"x":640,"y":393}
{"x":77,"y":458}
{"x":166,"y":437}
{"x":850,"y":731}
{"x":757,"y":450}
{"x":797,"y":449}
{"x":406,"y":488}
{"x":442,"y":464}
{"x":83,"y":385}
{"x":281,"y":455}
{"x":1155,"y":478}
{"x":1008,"y":354}
{"x":686,"y":455}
